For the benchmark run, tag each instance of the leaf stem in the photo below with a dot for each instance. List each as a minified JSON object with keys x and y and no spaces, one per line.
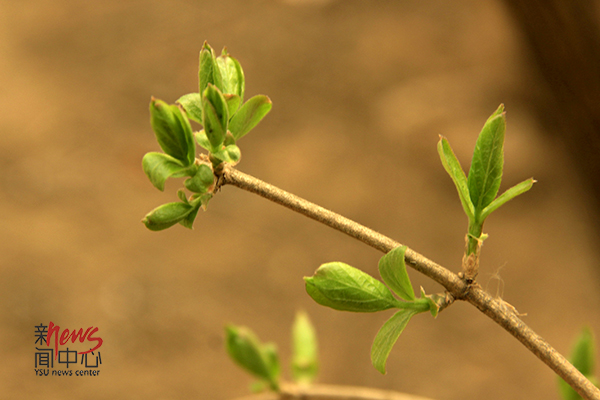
{"x":456,"y":287}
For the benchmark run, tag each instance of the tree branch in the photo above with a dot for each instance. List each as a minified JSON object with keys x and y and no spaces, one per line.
{"x":502,"y":314}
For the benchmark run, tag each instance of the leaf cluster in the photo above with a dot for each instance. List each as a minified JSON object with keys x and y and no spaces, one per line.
{"x":479,"y":189}
{"x":342,"y":287}
{"x":225,"y":118}
{"x":262,"y":359}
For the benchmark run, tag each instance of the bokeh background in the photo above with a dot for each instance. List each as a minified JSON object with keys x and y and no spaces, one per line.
{"x":361,"y":91}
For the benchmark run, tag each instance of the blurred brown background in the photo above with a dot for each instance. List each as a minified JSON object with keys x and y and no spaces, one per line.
{"x":361,"y":91}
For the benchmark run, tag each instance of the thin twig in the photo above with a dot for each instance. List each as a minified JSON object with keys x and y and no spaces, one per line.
{"x":501,"y":314}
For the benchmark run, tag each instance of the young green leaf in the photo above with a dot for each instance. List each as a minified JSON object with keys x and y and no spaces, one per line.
{"x":583,"y":353}
{"x":192,"y":104}
{"x":249,"y":115}
{"x":230,"y":154}
{"x":182,"y":196}
{"x":246,"y":350}
{"x":232,"y":74}
{"x":167,"y":215}
{"x":393,"y":271}
{"x":507,"y":196}
{"x":582,"y":358}
{"x":209,"y":71}
{"x":305,"y":364}
{"x":271,"y":355}
{"x":452,"y":166}
{"x":202,"y":140}
{"x":188,"y":220}
{"x":201,"y":181}
{"x":159,"y":167}
{"x":173,"y":131}
{"x":345,"y":288}
{"x":233,"y":102}
{"x":387,"y":337}
{"x":487,"y":163}
{"x":215,"y":116}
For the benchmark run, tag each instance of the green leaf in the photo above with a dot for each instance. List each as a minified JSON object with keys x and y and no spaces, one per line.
{"x":232,"y":74}
{"x":487,"y":163}
{"x":202,"y":140}
{"x":173,"y":131}
{"x":188,"y":220}
{"x":167,"y":215}
{"x":215,"y":117}
{"x":507,"y":196}
{"x":201,"y":181}
{"x":342,"y":287}
{"x":393,"y":271}
{"x":270,"y":352}
{"x":182,"y":196}
{"x":230,"y":154}
{"x":387,"y":337}
{"x":192,"y":104}
{"x":249,"y":115}
{"x":583,"y":353}
{"x":452,"y":166}
{"x":159,"y":167}
{"x":209,"y":71}
{"x":582,"y":358}
{"x":305,"y":364}
{"x":246,"y":350}
{"x":233,"y":102}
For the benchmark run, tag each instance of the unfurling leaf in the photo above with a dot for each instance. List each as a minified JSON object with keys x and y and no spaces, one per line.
{"x":209,"y":71}
{"x":232,"y":74}
{"x":305,"y":363}
{"x":249,"y":115}
{"x":387,"y":337}
{"x":192,"y":104}
{"x":393,"y":271}
{"x":507,"y":196}
{"x":159,"y":167}
{"x":259,"y":359}
{"x":487,"y":163}
{"x":173,"y":131}
{"x":201,"y":181}
{"x":452,"y":166}
{"x":233,"y":103}
{"x":230,"y":154}
{"x":215,"y":117}
{"x":345,"y":288}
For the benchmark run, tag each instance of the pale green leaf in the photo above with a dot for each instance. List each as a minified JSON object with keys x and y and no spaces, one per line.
{"x":452,"y":166}
{"x":393,"y":271}
{"x":192,"y":104}
{"x":387,"y":337}
{"x":507,"y":196}
{"x":305,"y":363}
{"x":249,"y":115}
{"x":159,"y":167}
